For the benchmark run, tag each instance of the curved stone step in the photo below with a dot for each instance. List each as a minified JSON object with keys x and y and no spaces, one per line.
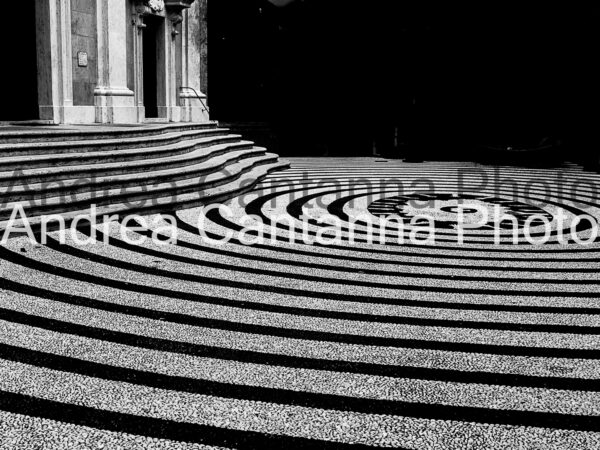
{"x":73,"y":187}
{"x":97,"y":132}
{"x":118,"y":155}
{"x":107,"y":144}
{"x":144,"y":194}
{"x":40,"y":175}
{"x":246,"y":177}
{"x":64,"y":170}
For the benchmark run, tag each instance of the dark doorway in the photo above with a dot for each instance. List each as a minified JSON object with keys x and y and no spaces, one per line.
{"x":18,"y":77}
{"x":151,"y":66}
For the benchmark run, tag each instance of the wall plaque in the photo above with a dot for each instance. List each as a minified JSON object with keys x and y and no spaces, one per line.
{"x":82,"y":59}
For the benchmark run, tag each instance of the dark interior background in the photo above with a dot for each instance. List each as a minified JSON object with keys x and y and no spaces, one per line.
{"x":336,"y":76}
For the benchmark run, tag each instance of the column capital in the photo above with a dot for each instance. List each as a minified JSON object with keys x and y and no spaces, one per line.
{"x":175,"y":10}
{"x":181,"y":4}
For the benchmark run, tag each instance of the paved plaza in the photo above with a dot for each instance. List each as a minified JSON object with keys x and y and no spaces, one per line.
{"x":292,"y":343}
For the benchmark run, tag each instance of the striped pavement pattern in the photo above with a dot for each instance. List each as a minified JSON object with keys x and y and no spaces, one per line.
{"x":288,"y":344}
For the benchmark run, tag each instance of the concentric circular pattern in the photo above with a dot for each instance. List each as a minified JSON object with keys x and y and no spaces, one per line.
{"x":279,"y":342}
{"x":450,"y":210}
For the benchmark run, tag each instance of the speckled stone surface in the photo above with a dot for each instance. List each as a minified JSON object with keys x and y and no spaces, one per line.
{"x":198,"y":344}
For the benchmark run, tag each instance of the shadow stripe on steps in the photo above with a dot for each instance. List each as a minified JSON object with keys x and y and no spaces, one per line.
{"x":291,"y":262}
{"x":157,"y":428}
{"x":295,"y":210}
{"x":336,"y":208}
{"x":299,"y":292}
{"x":279,"y":309}
{"x":255,"y":208}
{"x":428,"y":411}
{"x":221,"y":221}
{"x":317,"y":336}
{"x":297,"y":362}
{"x":133,"y":287}
{"x":225,"y":223}
{"x":304,"y":277}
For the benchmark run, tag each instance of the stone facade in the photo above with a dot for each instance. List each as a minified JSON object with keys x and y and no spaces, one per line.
{"x":121,"y":61}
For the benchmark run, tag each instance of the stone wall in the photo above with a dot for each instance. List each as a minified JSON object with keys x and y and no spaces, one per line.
{"x":84,"y":39}
{"x":90,"y":59}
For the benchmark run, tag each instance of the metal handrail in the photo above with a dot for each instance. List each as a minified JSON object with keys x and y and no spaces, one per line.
{"x":197,"y":95}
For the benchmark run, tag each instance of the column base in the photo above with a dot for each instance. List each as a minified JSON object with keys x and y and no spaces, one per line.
{"x":115,"y":105}
{"x":194,"y":114}
{"x":170,"y":113}
{"x":68,"y":114}
{"x":183,"y":114}
{"x":193,"y":108}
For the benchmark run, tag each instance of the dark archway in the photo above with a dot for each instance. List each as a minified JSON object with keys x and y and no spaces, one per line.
{"x":18,"y":76}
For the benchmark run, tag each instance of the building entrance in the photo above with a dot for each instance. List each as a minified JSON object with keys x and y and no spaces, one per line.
{"x":150,"y":67}
{"x":18,"y":76}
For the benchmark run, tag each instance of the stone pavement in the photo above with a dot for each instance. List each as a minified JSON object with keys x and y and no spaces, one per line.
{"x":197,"y":344}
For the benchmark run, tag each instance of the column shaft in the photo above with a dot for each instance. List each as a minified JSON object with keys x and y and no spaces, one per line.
{"x":114,"y":101}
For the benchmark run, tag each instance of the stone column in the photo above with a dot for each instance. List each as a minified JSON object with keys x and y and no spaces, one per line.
{"x":167,"y":72}
{"x":138,"y":66}
{"x":192,"y":99}
{"x":55,"y":71}
{"x":114,"y":102}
